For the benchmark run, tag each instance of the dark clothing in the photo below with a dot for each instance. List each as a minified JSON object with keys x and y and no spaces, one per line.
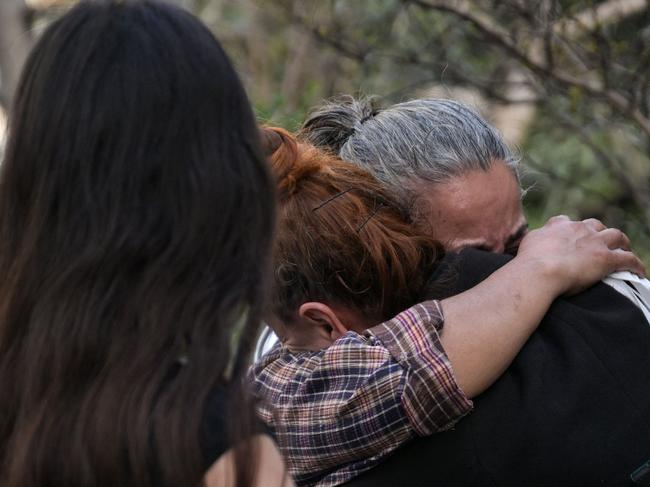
{"x":573,"y":408}
{"x":214,"y":428}
{"x":216,"y":424}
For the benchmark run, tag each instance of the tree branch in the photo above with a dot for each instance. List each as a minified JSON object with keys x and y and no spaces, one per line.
{"x":500,"y":38}
{"x":640,"y":196}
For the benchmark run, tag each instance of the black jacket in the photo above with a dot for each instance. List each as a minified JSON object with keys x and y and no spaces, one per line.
{"x":573,"y":408}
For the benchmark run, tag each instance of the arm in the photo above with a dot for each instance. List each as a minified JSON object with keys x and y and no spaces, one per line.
{"x":270,"y":467}
{"x":487,"y":325}
{"x":346,"y":407}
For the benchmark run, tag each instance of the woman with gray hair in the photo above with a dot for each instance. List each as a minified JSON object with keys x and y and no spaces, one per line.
{"x":456,"y":169}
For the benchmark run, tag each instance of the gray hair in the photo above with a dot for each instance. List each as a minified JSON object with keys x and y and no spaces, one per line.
{"x":429,"y":140}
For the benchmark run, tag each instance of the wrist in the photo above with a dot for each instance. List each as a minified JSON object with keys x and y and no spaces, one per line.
{"x":546,"y":273}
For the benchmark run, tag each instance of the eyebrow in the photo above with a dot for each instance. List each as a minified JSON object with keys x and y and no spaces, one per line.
{"x":480,"y":243}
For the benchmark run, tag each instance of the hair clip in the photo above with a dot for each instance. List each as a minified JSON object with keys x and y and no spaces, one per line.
{"x":330,"y":199}
{"x":374,"y":212}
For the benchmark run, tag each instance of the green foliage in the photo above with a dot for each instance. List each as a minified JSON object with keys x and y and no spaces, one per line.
{"x":567,"y":178}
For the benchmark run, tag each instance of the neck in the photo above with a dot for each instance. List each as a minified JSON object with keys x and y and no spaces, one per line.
{"x":302,"y":339}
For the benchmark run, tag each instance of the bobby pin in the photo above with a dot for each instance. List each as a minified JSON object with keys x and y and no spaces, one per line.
{"x":330,"y":199}
{"x":374,"y":212}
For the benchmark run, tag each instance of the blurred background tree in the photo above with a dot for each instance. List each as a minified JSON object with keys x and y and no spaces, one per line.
{"x":566,"y":81}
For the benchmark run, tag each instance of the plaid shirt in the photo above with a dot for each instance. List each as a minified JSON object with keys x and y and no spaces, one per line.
{"x":340,"y":411}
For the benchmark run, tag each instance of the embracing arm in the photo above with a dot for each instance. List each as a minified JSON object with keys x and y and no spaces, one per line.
{"x":340,"y":410}
{"x":486,"y":326}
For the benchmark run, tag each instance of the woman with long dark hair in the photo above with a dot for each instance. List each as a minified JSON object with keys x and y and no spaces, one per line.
{"x":136,"y":216}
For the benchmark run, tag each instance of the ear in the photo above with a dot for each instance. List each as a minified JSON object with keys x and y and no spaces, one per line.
{"x":325,"y":320}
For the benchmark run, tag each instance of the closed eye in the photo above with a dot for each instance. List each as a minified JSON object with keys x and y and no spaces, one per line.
{"x":481,"y":247}
{"x":512,"y":245}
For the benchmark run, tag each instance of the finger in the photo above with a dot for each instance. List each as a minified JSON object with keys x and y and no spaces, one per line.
{"x":623,"y":260}
{"x":558,"y":218}
{"x":594,"y":224}
{"x":614,"y":238}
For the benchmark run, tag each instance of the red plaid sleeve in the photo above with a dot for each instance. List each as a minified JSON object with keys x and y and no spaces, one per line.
{"x":339,"y":411}
{"x":432,"y":399}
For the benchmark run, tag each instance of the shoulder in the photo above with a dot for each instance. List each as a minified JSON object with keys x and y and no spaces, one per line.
{"x":283,"y":363}
{"x":216,"y":423}
{"x":270,"y":469}
{"x":214,"y":427}
{"x":283,"y":373}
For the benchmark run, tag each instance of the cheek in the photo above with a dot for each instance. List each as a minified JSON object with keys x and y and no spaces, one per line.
{"x":519,"y":210}
{"x":511,"y":212}
{"x":515,"y":203}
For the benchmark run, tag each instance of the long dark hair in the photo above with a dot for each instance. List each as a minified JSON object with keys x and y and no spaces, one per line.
{"x":136,"y":214}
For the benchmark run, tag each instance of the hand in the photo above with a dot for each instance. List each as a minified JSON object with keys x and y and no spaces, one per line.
{"x":576,"y":255}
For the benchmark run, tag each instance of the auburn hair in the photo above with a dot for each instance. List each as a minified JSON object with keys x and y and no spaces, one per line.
{"x":341,"y":237}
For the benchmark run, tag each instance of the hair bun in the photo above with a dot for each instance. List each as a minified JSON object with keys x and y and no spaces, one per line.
{"x":289,"y":160}
{"x":271,"y":141}
{"x":331,"y":125}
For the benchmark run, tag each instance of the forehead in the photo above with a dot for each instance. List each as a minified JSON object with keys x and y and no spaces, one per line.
{"x":477,"y":206}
